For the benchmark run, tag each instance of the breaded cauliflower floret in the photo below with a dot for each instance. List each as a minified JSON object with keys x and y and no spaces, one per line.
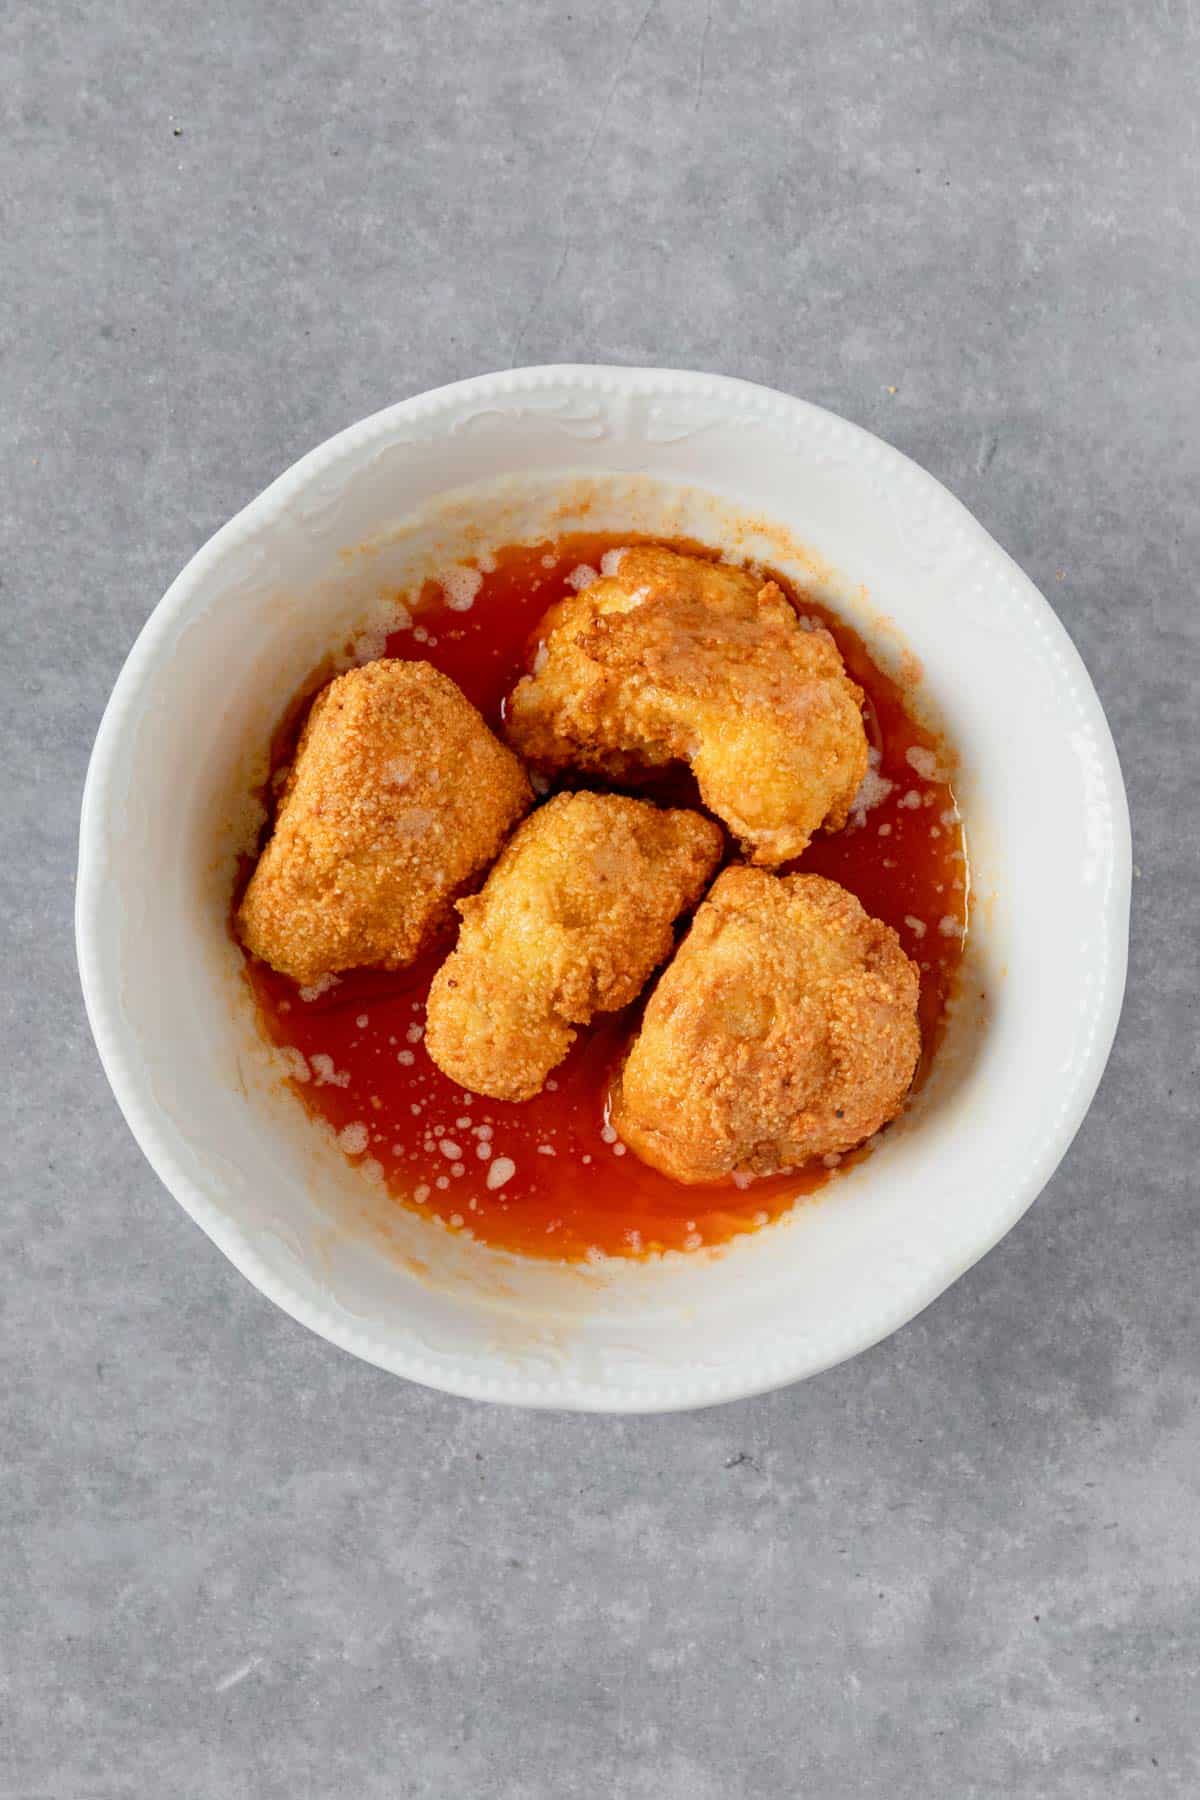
{"x":571,"y":921}
{"x":785,"y":1029}
{"x":399,"y":797}
{"x":675,"y":658}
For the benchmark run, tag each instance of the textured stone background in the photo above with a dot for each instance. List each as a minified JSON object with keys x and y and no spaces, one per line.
{"x":237,"y":1563}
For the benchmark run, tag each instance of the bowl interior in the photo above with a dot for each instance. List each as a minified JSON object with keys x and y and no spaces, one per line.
{"x":315,"y":562}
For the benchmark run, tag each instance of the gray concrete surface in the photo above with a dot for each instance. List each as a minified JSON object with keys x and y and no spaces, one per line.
{"x":238,"y":1563}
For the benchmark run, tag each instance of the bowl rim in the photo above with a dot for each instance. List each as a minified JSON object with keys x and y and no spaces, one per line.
{"x":119,"y":1059}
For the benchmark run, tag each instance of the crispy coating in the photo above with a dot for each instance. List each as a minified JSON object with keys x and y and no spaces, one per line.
{"x":573,"y":918}
{"x":398,"y":798}
{"x":785,"y":1029}
{"x":677,"y":658}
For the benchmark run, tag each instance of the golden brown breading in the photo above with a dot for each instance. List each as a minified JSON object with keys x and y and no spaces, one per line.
{"x":398,"y":798}
{"x":574,"y":916}
{"x":784,"y":1029}
{"x":676,"y":658}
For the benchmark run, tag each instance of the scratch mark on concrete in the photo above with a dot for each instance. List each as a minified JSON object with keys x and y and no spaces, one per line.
{"x":703,"y":57}
{"x":238,"y":1675}
{"x":581,"y":167}
{"x":988,"y":446}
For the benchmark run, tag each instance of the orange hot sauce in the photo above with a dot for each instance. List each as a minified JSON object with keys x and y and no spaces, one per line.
{"x":573,"y":1189}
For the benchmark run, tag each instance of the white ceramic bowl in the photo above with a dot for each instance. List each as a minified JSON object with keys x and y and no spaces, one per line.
{"x":305,"y":564}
